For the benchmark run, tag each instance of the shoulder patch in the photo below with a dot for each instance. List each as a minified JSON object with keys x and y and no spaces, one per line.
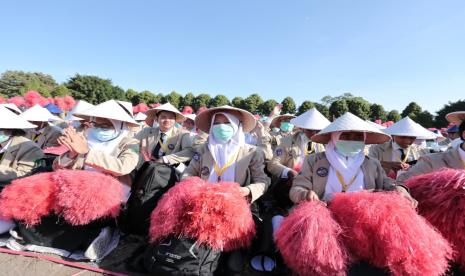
{"x":196,"y":156}
{"x":171,"y":147}
{"x":322,"y":172}
{"x":279,"y":152}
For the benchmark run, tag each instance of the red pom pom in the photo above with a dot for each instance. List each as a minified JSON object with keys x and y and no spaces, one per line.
{"x":384,"y":229}
{"x":309,"y":241}
{"x":32,"y":98}
{"x":69,"y":102}
{"x":441,"y":200}
{"x":166,"y":218}
{"x":28,"y":199}
{"x":18,"y":101}
{"x":85,"y":196}
{"x":220,"y":217}
{"x":2,"y":100}
{"x":187,"y":110}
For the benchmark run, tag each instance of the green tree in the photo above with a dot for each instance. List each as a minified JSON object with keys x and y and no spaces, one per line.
{"x":219,"y":100}
{"x":174,"y":98}
{"x":15,"y":83}
{"x":91,"y":88}
{"x":411,"y":110}
{"x":440,"y":120}
{"x":60,"y":91}
{"x":188,"y":99}
{"x":202,"y":100}
{"x":306,"y":105}
{"x":323,"y":109}
{"x":359,"y":107}
{"x":238,"y":102}
{"x":266,"y":107}
{"x":425,"y":118}
{"x":394,"y":116}
{"x":145,"y":96}
{"x":288,"y":106}
{"x":328,"y":100}
{"x":252,"y":102}
{"x":377,"y":112}
{"x":131,"y":96}
{"x":338,"y":108}
{"x":117,"y":93}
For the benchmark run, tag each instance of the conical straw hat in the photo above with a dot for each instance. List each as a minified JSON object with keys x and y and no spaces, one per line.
{"x":152,"y":113}
{"x":111,"y":109}
{"x":350,"y":122}
{"x":9,"y":120}
{"x":311,"y":119}
{"x":407,"y":127}
{"x":38,"y":114}
{"x":203,"y":120}
{"x":80,"y":106}
{"x":276,"y":122}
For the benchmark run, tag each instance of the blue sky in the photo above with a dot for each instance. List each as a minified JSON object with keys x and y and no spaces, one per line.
{"x":390,"y":52}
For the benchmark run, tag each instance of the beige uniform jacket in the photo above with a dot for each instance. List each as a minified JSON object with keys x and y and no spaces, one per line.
{"x":249,"y":171}
{"x":179,"y":145}
{"x":19,"y":158}
{"x":434,"y":162}
{"x":383,"y":152}
{"x":314,"y":176}
{"x":119,"y":164}
{"x":289,"y":154}
{"x":48,"y":138}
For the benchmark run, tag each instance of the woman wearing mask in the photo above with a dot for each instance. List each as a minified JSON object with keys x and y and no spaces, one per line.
{"x":226,"y":156}
{"x":45,"y":135}
{"x":343,"y":167}
{"x":281,"y":127}
{"x":18,"y":155}
{"x":107,"y":146}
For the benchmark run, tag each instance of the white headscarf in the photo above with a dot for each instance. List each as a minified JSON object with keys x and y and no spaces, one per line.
{"x":223,"y":152}
{"x":109,"y":147}
{"x":348,"y":167}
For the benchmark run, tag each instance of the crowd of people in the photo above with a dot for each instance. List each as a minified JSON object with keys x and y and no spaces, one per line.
{"x":278,"y":162}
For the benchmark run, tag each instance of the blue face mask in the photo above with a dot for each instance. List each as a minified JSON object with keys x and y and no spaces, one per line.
{"x":223,"y":132}
{"x":3,"y":137}
{"x":103,"y":134}
{"x":286,"y":126}
{"x":349,"y":148}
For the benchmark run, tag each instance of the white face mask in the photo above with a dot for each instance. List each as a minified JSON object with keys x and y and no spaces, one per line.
{"x":349,"y":148}
{"x":3,"y":136}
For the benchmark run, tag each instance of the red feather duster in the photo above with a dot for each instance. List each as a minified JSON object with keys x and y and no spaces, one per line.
{"x":2,"y":100}
{"x":384,"y":229}
{"x":28,"y":199}
{"x":220,"y":217}
{"x":32,"y":98}
{"x":166,"y":217}
{"x":187,"y":110}
{"x":18,"y":101}
{"x":58,"y":150}
{"x":60,"y":102}
{"x":309,"y":241}
{"x":85,"y":196}
{"x":441,"y":200}
{"x":69,"y":102}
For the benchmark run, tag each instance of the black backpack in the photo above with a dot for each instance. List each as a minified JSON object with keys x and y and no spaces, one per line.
{"x":152,"y":180}
{"x":180,"y":256}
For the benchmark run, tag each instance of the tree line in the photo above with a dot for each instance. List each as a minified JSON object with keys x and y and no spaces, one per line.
{"x":95,"y":90}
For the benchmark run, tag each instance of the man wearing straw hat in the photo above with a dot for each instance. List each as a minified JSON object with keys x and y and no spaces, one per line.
{"x":398,"y":154}
{"x":17,"y":153}
{"x":165,"y":143}
{"x":45,"y":135}
{"x":290,"y":154}
{"x":343,"y":167}
{"x":454,"y":158}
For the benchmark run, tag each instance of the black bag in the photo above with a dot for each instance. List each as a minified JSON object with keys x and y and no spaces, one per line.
{"x":152,"y":180}
{"x":180,"y":256}
{"x":56,"y":232}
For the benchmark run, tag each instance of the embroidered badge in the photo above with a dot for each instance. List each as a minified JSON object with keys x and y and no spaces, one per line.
{"x":279,"y":152}
{"x":196,"y":156}
{"x":205,"y":171}
{"x":171,"y":147}
{"x":322,"y":172}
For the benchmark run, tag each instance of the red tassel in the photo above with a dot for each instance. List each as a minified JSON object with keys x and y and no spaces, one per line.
{"x":309,"y":241}
{"x":384,"y":229}
{"x":441,"y":200}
